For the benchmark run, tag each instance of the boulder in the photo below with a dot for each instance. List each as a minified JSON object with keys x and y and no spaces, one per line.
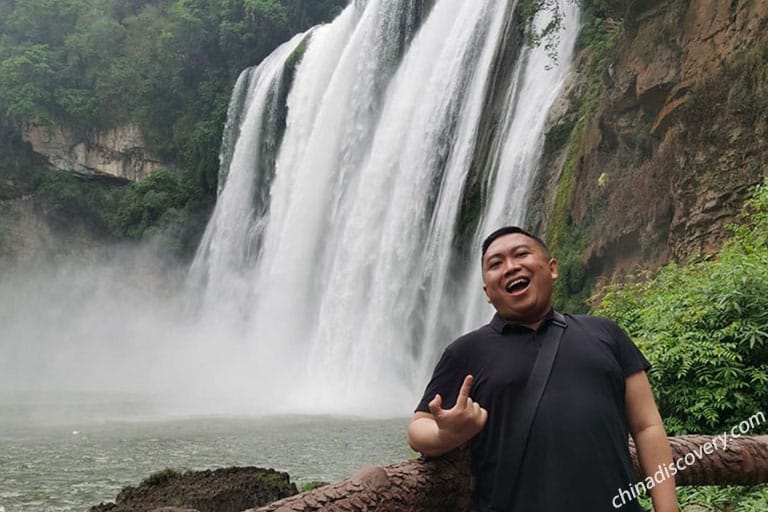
{"x":221,"y":490}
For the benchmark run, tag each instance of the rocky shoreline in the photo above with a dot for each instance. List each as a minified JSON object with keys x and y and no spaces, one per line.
{"x":221,"y":490}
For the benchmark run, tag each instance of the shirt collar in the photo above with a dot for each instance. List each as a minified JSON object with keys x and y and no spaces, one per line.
{"x":501,"y":326}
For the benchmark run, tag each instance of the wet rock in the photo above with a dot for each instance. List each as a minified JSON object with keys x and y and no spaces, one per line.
{"x":220,"y":490}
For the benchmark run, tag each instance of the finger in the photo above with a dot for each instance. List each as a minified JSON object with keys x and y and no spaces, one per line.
{"x":475,"y":412}
{"x":464,"y":391}
{"x":435,"y":405}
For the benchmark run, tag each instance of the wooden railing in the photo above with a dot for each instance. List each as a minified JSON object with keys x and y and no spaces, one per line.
{"x":443,"y":484}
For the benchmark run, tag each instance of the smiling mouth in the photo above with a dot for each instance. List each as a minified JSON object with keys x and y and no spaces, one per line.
{"x":518,"y":285}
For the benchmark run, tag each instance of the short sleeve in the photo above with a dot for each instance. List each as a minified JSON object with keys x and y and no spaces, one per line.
{"x":629,"y":356}
{"x":446,"y":380}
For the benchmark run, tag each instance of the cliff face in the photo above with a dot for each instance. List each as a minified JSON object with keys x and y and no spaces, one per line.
{"x":32,"y":233}
{"x":678,"y":137}
{"x":118,"y":152}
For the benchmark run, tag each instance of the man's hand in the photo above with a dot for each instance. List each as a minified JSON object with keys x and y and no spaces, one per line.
{"x":461,"y":422}
{"x":442,"y":430}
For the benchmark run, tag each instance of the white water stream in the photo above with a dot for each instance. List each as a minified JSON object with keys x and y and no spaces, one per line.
{"x":337,"y":281}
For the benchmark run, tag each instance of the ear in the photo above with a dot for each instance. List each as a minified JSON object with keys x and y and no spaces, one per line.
{"x":487,"y":298}
{"x":553,"y":268}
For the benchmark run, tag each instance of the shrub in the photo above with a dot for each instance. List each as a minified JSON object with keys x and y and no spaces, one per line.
{"x":143,"y":204}
{"x":704,"y":327}
{"x":160,"y":477}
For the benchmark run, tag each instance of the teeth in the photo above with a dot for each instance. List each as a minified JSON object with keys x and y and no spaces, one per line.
{"x":514,"y":283}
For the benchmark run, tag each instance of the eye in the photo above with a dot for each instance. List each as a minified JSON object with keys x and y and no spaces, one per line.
{"x":494,"y":264}
{"x":522,"y":254}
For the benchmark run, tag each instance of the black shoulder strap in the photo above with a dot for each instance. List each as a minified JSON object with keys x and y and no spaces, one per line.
{"x":517,"y":425}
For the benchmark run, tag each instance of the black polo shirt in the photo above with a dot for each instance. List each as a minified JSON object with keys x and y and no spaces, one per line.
{"x":577,"y":456}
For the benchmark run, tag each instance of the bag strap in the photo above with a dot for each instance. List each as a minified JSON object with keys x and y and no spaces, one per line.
{"x":518,"y":423}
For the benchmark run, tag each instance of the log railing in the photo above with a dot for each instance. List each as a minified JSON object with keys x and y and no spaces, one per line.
{"x":443,"y":484}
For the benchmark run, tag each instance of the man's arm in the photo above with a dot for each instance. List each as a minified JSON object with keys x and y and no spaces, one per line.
{"x":441,"y":430}
{"x":647,"y":429}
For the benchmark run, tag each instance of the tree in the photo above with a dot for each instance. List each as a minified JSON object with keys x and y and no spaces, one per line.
{"x":26,"y":82}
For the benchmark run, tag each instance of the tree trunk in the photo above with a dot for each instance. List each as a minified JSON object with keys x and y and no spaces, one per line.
{"x":443,"y":484}
{"x":743,"y":462}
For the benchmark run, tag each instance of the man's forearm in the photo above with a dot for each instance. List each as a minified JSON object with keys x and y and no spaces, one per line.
{"x":653,"y":451}
{"x":425,"y":437}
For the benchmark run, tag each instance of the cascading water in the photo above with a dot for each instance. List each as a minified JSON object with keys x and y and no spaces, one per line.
{"x":340,"y":280}
{"x":531,"y":93}
{"x":229,"y":247}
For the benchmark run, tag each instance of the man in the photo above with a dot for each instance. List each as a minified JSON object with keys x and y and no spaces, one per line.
{"x":576,"y":456}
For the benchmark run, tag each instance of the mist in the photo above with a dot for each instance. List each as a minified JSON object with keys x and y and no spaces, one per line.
{"x":119,"y":335}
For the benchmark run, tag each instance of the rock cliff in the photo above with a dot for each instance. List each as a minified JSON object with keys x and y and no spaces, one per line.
{"x":118,"y":152}
{"x":676,"y":139}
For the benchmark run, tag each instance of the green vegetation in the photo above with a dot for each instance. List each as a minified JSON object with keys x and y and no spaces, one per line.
{"x":741,"y":87}
{"x":161,"y":205}
{"x":556,"y":138}
{"x":160,"y":477}
{"x":603,"y":26}
{"x":567,"y":240}
{"x":730,"y":499}
{"x":147,"y":203}
{"x":312,"y":485}
{"x":608,"y":12}
{"x":547,"y":36}
{"x":296,"y":55}
{"x":167,"y":65}
{"x":748,"y":79}
{"x":704,"y":327}
{"x":20,"y":171}
{"x":573,"y":285}
{"x":72,"y":197}
{"x":719,"y":499}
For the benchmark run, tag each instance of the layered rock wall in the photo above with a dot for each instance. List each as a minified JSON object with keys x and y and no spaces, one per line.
{"x":677,"y":140}
{"x":118,"y":152}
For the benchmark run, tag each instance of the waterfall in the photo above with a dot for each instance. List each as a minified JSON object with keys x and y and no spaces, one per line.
{"x":330,"y":254}
{"x":230,"y":244}
{"x":532,"y":91}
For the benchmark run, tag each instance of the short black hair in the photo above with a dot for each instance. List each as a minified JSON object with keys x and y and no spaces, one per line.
{"x":508,"y":230}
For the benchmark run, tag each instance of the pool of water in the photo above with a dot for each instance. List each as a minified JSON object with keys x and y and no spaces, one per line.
{"x":58,"y":462}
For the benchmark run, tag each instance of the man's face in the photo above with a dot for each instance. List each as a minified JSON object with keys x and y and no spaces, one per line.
{"x":518,"y":277}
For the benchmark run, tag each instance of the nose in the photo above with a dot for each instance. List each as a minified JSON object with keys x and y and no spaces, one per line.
{"x":510,"y":265}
